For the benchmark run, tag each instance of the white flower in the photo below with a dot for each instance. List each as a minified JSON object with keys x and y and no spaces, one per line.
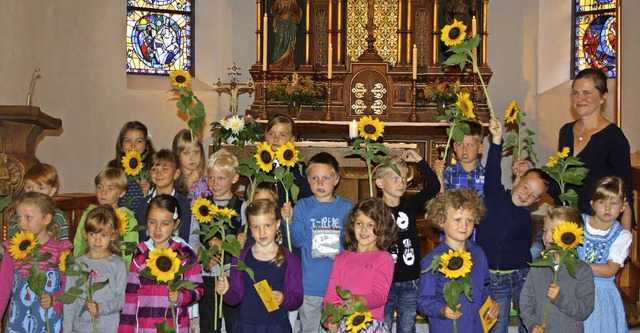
{"x":235,"y":124}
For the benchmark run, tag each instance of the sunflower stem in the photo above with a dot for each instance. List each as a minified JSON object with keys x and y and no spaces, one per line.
{"x":455,"y":326}
{"x":484,"y":86}
{"x":46,"y":319}
{"x":519,"y":149}
{"x":369,"y":173}
{"x":173,"y":315}
{"x":89,"y":299}
{"x":286,"y":220}
{"x":546,"y":310}
{"x":446,"y":148}
{"x":224,"y":236}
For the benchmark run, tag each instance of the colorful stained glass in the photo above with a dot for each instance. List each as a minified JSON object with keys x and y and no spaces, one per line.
{"x":595,"y":32}
{"x":158,"y":41}
{"x":180,"y":5}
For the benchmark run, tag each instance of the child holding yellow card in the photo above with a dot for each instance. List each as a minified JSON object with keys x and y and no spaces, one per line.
{"x":264,"y":305}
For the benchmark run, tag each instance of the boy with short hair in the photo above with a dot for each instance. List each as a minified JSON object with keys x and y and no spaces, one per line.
{"x":111,"y":185}
{"x":221,"y":176}
{"x":316,"y":228}
{"x":468,"y":172}
{"x":43,"y":178}
{"x":505,"y":233}
{"x":406,"y":251}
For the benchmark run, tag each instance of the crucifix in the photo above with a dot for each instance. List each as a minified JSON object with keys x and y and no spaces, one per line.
{"x":234,"y":87}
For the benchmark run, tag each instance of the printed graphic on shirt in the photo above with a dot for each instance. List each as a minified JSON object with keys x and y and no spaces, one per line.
{"x":408,"y":256}
{"x":325,"y":243}
{"x":394,"y":252}
{"x":402,"y":221}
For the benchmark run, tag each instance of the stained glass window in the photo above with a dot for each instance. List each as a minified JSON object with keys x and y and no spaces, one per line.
{"x":595,"y":36}
{"x":159,"y":36}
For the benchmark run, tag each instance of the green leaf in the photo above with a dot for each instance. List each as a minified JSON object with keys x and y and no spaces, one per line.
{"x":5,"y":202}
{"x":203,"y":257}
{"x":97,"y":286}
{"x":163,"y":327}
{"x":570,"y":197}
{"x":345,"y":294}
{"x":543,"y":262}
{"x":36,"y":280}
{"x":458,"y":135}
{"x":71,"y":295}
{"x":576,"y":175}
{"x":182,"y":284}
{"x":231,"y":245}
{"x":433,"y":267}
{"x":457,"y":59}
{"x":242,"y":267}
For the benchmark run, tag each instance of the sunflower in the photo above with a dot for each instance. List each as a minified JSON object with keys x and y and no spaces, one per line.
{"x":370,"y":128}
{"x":22,"y":244}
{"x":358,"y":321}
{"x":287,"y":154}
{"x":164,"y":264}
{"x":563,"y":153}
{"x":132,"y":163}
{"x":465,"y":105}
{"x":123,"y":222}
{"x":264,"y":156}
{"x":511,"y":114}
{"x":553,"y":160}
{"x":567,"y":235}
{"x":454,"y":33}
{"x":180,"y":78}
{"x":62,"y":265}
{"x":227,"y":212}
{"x":455,"y":264}
{"x":203,"y":210}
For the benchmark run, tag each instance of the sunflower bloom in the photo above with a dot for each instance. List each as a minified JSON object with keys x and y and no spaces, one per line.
{"x":62,"y":265}
{"x":132,"y":163}
{"x":455,"y":264}
{"x":123,"y":222}
{"x":264,"y":156}
{"x":553,"y":160}
{"x":287,"y":154}
{"x":203,"y":210}
{"x":358,"y":321}
{"x":511,"y":114}
{"x":454,"y":33}
{"x":164,"y":264}
{"x":370,"y":128}
{"x":22,"y":244}
{"x":567,"y":235}
{"x":465,"y":105}
{"x":563,"y":153}
{"x":227,"y":212}
{"x":180,"y":79}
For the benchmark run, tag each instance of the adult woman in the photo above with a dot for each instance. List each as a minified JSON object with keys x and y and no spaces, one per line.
{"x":598,"y":143}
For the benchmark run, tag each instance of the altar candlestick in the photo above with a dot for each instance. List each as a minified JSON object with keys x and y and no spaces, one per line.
{"x":353,"y":129}
{"x":415,"y":62}
{"x":330,"y":65}
{"x":474,"y":31}
{"x":265,"y":37}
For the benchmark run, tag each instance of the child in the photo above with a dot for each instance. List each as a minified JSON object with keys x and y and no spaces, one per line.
{"x":505,"y":233}
{"x":103,"y":261}
{"x":606,"y":246}
{"x":366,"y":267}
{"x":111,"y":185}
{"x":190,"y":151}
{"x":455,"y":213}
{"x":271,"y":262}
{"x":279,"y":131}
{"x":468,"y":171}
{"x":147,"y":301}
{"x":316,"y":228}
{"x":43,"y":178}
{"x":163,"y":167}
{"x":572,"y":298}
{"x":404,"y":289}
{"x":134,"y":136}
{"x":221,"y":175}
{"x":35,"y":213}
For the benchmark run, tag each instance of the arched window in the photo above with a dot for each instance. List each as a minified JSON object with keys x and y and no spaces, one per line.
{"x":159,"y":36}
{"x":595,"y":30}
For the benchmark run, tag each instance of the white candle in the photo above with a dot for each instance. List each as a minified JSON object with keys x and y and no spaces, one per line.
{"x":353,"y":129}
{"x":474,"y":26}
{"x":330,"y":62}
{"x":265,"y":37}
{"x":415,"y":62}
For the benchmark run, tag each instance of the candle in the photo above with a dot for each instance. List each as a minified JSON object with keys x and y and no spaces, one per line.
{"x":353,"y":129}
{"x":415,"y":62}
{"x":265,"y":37}
{"x":474,"y":26}
{"x":330,"y":65}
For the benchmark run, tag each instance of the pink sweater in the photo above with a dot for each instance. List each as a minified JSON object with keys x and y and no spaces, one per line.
{"x":364,"y":273}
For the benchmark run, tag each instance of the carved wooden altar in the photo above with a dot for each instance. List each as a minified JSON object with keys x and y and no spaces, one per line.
{"x":371,"y":57}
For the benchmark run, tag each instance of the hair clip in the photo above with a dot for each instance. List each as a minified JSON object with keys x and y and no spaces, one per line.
{"x":148,"y":135}
{"x":175,"y":213}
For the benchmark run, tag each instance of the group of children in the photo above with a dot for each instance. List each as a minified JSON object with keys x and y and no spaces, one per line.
{"x":370,"y":248}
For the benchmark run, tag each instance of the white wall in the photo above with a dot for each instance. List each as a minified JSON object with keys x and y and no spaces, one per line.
{"x":80,"y":51}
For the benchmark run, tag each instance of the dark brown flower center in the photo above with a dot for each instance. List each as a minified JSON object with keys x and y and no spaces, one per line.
{"x":512,"y":112}
{"x":265,"y":157}
{"x":288,"y":155}
{"x":568,"y":238}
{"x":203,"y":210}
{"x":455,"y":263}
{"x":180,"y":79}
{"x":133,"y":163}
{"x":369,"y":129}
{"x":24,"y":245}
{"x":454,"y":33}
{"x":164,"y":263}
{"x":357,"y":320}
